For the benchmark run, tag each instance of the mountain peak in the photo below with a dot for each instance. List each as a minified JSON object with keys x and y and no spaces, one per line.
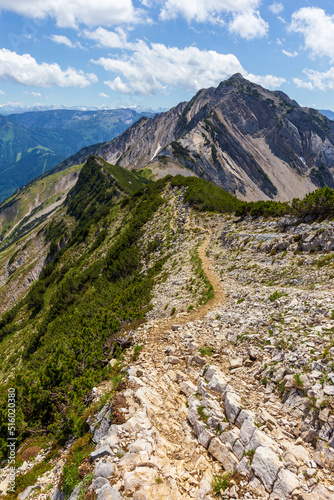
{"x":238,"y":136}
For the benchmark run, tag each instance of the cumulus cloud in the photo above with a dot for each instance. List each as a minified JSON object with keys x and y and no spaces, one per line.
{"x":276,"y":8}
{"x":204,"y":10}
{"x":246,"y":20}
{"x":102,"y":94}
{"x":64,"y":40}
{"x":71,"y":14}
{"x":317,"y":80}
{"x":317,"y":28}
{"x":267,"y":81}
{"x":157,"y":68}
{"x":24,"y":69}
{"x":111,"y":39}
{"x":2,"y":92}
{"x":290,"y":54}
{"x":248,"y":25}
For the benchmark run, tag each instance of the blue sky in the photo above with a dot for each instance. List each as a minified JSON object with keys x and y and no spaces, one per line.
{"x":159,"y":52}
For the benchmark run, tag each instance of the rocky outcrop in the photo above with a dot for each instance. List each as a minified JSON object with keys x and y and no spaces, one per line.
{"x":250,"y":141}
{"x":281,"y":235}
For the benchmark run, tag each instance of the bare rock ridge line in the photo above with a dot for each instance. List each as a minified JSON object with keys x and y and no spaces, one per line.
{"x":253,"y":142}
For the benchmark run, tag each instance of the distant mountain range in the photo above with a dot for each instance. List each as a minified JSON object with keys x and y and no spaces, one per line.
{"x":252,"y":142}
{"x":15,"y":108}
{"x":32,"y":143}
{"x":328,"y":113}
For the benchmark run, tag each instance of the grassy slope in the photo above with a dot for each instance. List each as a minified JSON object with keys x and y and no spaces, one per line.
{"x":37,"y":195}
{"x":90,"y":289}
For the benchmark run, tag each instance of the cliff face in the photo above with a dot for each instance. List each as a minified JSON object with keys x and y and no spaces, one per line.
{"x":253,"y":142}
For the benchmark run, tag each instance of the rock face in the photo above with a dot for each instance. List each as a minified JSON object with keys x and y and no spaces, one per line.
{"x":246,"y":139}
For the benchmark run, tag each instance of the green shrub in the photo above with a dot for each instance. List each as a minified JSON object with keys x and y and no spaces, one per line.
{"x":202,"y":195}
{"x":79,"y":452}
{"x":276,"y":295}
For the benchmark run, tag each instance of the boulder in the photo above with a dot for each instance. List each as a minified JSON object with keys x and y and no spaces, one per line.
{"x":266,"y":466}
{"x":108,"y":493}
{"x":218,"y":450}
{"x":232,"y":406}
{"x":286,"y":482}
{"x":103,"y":451}
{"x":104,"y":469}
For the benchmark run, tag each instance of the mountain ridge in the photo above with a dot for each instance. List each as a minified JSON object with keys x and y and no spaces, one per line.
{"x":251,"y":141}
{"x":32,"y":143}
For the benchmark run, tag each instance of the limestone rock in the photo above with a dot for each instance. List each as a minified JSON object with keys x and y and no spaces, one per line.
{"x":232,"y":406}
{"x":103,"y":451}
{"x":286,"y":482}
{"x":266,"y":466}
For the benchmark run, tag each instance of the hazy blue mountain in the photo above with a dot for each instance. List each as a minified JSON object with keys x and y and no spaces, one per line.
{"x":328,"y":113}
{"x":34,"y":142}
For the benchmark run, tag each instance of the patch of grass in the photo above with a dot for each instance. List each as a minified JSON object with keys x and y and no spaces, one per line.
{"x":173,"y":311}
{"x":220,"y":483}
{"x":206,"y":351}
{"x":158,"y":480}
{"x":136,"y":350}
{"x":78,"y":454}
{"x":208,"y":291}
{"x":22,"y":481}
{"x":298,"y":380}
{"x":201,"y":414}
{"x":250,"y":455}
{"x":276,"y":295}
{"x":205,"y":196}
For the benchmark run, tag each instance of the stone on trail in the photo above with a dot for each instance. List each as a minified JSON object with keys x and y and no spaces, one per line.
{"x":218,"y":450}
{"x":108,"y":493}
{"x":232,"y":406}
{"x":266,"y":465}
{"x":101,"y":452}
{"x":104,"y":469}
{"x":286,"y":482}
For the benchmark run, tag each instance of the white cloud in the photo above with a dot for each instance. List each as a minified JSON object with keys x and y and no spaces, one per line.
{"x":119,"y":86}
{"x":276,"y":8}
{"x":242,"y":11}
{"x":267,"y":81}
{"x":102,"y":94}
{"x":317,"y":80}
{"x":248,"y":25}
{"x":111,"y":39}
{"x":149,"y":70}
{"x":35,"y":94}
{"x":2,"y":92}
{"x":290,"y":54}
{"x":70,"y":14}
{"x":204,"y":10}
{"x":317,"y":28}
{"x":24,"y":69}
{"x":63,"y":40}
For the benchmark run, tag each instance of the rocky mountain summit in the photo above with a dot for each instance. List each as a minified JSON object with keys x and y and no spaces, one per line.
{"x":227,"y":390}
{"x":248,"y":140}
